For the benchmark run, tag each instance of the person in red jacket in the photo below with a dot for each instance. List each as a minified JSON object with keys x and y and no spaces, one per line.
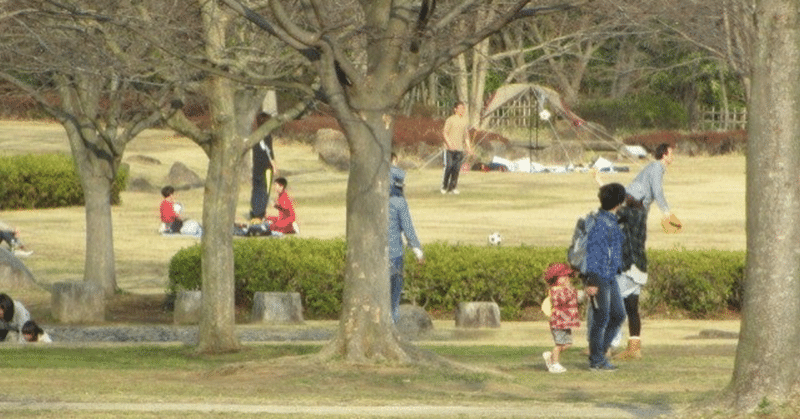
{"x":284,"y":221}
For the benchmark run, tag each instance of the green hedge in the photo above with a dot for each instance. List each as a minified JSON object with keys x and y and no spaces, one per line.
{"x":693,"y":283}
{"x":46,"y":181}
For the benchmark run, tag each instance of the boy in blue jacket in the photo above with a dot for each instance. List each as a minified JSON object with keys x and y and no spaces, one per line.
{"x":603,"y":263}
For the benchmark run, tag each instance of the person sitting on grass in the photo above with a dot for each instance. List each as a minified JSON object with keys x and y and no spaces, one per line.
{"x":12,"y":315}
{"x":170,"y":218}
{"x":32,"y":333}
{"x":284,"y":222}
{"x":15,"y":245}
{"x":564,"y":315}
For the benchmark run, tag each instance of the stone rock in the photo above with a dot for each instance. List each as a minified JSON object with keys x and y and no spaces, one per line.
{"x":187,"y":307}
{"x":181,"y":177}
{"x":478,"y":314}
{"x":332,"y":147}
{"x":141,"y":185}
{"x":140,"y":158}
{"x":277,"y":308}
{"x":78,"y":302}
{"x":14,"y":275}
{"x":413,"y":321}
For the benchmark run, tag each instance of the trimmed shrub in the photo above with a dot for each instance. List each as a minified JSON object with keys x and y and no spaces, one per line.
{"x":694,"y":283}
{"x":46,"y":181}
{"x":699,"y":283}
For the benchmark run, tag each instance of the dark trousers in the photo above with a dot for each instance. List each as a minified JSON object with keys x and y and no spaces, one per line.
{"x":452,"y":167}
{"x":632,"y":310}
{"x":262,"y":181}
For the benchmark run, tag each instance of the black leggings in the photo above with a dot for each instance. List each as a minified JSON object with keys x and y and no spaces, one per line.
{"x":632,"y":310}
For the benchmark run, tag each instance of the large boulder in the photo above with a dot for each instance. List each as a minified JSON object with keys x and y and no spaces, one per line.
{"x":332,"y":147}
{"x":14,"y":275}
{"x":413,"y":321}
{"x":277,"y":308}
{"x":181,"y":177}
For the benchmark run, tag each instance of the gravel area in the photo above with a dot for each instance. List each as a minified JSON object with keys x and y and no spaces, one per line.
{"x":183,"y":334}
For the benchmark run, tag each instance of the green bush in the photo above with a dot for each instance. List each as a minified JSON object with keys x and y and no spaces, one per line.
{"x":697,"y":283}
{"x":46,"y":181}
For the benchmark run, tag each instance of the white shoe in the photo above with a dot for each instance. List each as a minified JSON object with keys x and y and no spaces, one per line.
{"x":548,"y":362}
{"x":22,"y":253}
{"x":443,"y":191}
{"x":557,"y":369}
{"x":455,"y":192}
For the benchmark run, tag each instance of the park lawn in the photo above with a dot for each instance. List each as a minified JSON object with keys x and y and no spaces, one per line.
{"x":670,"y":377}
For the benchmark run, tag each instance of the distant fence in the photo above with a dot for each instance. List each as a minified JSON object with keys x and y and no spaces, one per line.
{"x":713,"y":119}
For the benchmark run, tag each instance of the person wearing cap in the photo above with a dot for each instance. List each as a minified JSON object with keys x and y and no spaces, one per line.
{"x":564,"y":313}
{"x":399,"y":225}
{"x":603,"y":264}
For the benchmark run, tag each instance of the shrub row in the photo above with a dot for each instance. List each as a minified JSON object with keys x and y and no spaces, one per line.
{"x":46,"y":181}
{"x":708,"y":143}
{"x":693,"y":283}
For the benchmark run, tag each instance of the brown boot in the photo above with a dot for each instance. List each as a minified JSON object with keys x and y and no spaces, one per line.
{"x":634,"y":350}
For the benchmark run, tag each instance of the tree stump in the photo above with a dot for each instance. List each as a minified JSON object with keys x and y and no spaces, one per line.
{"x":187,"y":307}
{"x":412,"y":321}
{"x":478,"y":314}
{"x":78,"y":302}
{"x":277,"y":308}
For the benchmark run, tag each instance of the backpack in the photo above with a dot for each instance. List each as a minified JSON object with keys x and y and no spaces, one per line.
{"x":576,"y":254}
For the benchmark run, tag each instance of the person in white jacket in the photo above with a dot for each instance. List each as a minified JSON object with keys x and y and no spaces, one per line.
{"x":12,"y":315}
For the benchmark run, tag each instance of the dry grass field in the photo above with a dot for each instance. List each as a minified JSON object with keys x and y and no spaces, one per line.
{"x":707,"y":193}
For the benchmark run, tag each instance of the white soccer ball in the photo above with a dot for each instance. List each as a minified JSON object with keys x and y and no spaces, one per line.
{"x":495,"y":239}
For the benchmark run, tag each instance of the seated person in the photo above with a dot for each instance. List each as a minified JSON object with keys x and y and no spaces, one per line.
{"x":170,"y":218}
{"x":11,"y":236}
{"x":12,"y":316}
{"x":32,"y":333}
{"x":284,"y":222}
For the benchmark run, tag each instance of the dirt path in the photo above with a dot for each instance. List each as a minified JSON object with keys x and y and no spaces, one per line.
{"x":536,"y":410}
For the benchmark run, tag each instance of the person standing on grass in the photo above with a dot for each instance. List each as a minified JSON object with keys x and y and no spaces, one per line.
{"x":263,"y":169}
{"x":603,"y":264}
{"x":564,"y":315}
{"x":399,"y":225}
{"x":456,"y":141}
{"x":647,"y":187}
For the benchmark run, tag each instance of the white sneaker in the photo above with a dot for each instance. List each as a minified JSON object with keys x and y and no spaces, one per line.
{"x":548,"y":362}
{"x":455,"y":192}
{"x":557,"y":369}
{"x":443,"y":191}
{"x":22,"y":253}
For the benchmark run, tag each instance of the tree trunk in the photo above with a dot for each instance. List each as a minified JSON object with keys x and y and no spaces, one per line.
{"x":766,"y":367}
{"x":366,"y":332}
{"x":217,"y":331}
{"x":99,"y":267}
{"x":96,"y":167}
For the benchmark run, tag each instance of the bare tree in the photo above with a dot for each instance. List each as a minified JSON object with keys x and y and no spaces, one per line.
{"x":368,"y":54}
{"x":234,"y":69}
{"x":100,"y":84}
